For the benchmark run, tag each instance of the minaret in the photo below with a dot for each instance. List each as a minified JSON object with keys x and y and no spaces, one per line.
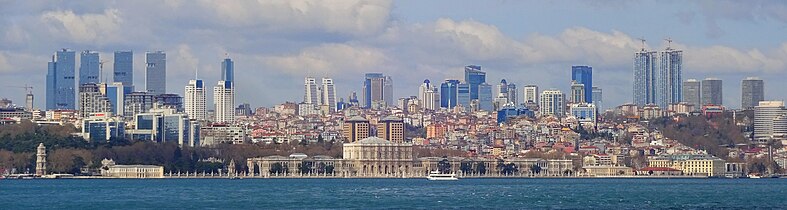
{"x":41,"y":160}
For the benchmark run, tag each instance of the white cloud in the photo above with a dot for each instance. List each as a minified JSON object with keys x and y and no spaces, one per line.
{"x":330,"y":59}
{"x":353,"y":17}
{"x":84,"y":28}
{"x":4,"y":66}
{"x":723,"y":59}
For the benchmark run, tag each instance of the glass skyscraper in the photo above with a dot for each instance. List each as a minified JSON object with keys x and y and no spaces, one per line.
{"x":124,"y":68}
{"x":60,"y":93}
{"x":474,"y":77}
{"x":449,"y":91}
{"x":711,"y":92}
{"x":88,"y":67}
{"x":228,"y":70}
{"x":644,"y":78}
{"x":485,"y":97}
{"x":657,"y":77}
{"x":584,"y":75}
{"x":752,"y":92}
{"x":156,"y":72}
{"x":463,"y":95}
{"x":372,"y":89}
{"x":692,"y":93}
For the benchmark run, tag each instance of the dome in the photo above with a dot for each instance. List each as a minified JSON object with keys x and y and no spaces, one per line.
{"x":426,"y":81}
{"x":373,"y":140}
{"x":503,"y":81}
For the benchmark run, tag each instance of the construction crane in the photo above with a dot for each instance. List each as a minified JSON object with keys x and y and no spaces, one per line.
{"x":643,"y":43}
{"x":101,"y":71}
{"x":28,"y":96}
{"x":28,"y":89}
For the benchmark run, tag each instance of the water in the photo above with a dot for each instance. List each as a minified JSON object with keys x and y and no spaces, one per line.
{"x":394,"y":194}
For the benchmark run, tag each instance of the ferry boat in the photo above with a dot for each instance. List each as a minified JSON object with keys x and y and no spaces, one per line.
{"x":437,"y":176}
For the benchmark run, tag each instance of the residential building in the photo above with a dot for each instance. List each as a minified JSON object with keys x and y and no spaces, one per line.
{"x":552,"y":103}
{"x":657,"y":77}
{"x":577,"y":92}
{"x":311,"y":95}
{"x":531,"y":94}
{"x":169,"y":100}
{"x":195,"y":100}
{"x":391,"y":128}
{"x":224,"y":102}
{"x":752,"y":92}
{"x":328,"y":94}
{"x":711,"y":92}
{"x":356,"y":128}
{"x":137,"y":102}
{"x":93,"y":99}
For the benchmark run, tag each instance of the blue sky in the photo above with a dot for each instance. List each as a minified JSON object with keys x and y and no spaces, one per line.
{"x":277,"y":43}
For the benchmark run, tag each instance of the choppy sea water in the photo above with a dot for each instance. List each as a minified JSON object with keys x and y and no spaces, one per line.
{"x":393,"y":194}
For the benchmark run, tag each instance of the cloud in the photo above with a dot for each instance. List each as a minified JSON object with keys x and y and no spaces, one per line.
{"x":723,"y":59}
{"x":343,"y":17}
{"x":330,"y":59}
{"x":84,"y":28}
{"x":4,"y":66}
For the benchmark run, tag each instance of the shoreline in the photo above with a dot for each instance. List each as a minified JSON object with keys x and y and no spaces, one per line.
{"x":363,"y":177}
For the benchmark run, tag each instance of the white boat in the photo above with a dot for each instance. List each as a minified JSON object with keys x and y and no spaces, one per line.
{"x":754,"y":176}
{"x":437,"y":176}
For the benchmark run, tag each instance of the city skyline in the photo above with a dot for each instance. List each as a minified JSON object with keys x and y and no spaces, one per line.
{"x":396,"y":41}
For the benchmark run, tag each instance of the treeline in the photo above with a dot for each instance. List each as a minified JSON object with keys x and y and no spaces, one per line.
{"x":714,"y":135}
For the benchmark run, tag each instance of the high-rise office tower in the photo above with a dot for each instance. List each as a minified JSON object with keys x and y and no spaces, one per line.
{"x":391,"y":128}
{"x":657,"y":77}
{"x":449,"y":91}
{"x":355,"y":129}
{"x":60,"y":93}
{"x":116,"y":93}
{"x":502,"y":89}
{"x":463,"y":95}
{"x":584,"y":75}
{"x":512,"y":94}
{"x":474,"y":77}
{"x":224,"y":101}
{"x":692,"y":93}
{"x":485,"y":98}
{"x":670,"y":81}
{"x":432,"y":99}
{"x":752,"y":92}
{"x":388,"y":91}
{"x":228,"y":70}
{"x":93,"y":100}
{"x":531,"y":94}
{"x":124,"y":68}
{"x":598,"y":99}
{"x":552,"y":103}
{"x":194,"y":98}
{"x":156,"y":72}
{"x":711,"y":92}
{"x":373,"y":86}
{"x":310,"y":92}
{"x":578,"y":92}
{"x":88,"y":67}
{"x":770,"y":121}
{"x":328,"y":94}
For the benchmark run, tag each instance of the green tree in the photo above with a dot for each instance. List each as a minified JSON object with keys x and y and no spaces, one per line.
{"x":535,"y":169}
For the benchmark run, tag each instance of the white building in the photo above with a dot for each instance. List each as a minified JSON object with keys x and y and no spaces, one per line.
{"x":531,"y":94}
{"x":165,"y":125}
{"x":310,"y":93}
{"x":194,"y":100}
{"x":770,"y":121}
{"x":328,"y":94}
{"x":584,"y":112}
{"x":224,"y":101}
{"x":552,"y":103}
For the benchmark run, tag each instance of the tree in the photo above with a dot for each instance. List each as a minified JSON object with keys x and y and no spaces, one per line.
{"x":444,"y":166}
{"x":480,"y":168}
{"x":278,"y":168}
{"x":466,"y":167}
{"x":306,"y":167}
{"x":535,"y":169}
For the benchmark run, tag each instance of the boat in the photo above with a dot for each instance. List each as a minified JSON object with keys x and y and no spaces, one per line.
{"x":754,"y":176}
{"x":437,"y":176}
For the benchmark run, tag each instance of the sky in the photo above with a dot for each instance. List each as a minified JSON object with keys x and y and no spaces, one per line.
{"x":275,"y":44}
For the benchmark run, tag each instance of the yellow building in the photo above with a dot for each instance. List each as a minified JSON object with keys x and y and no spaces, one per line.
{"x":692,"y":165}
{"x":391,"y":128}
{"x":356,"y":128}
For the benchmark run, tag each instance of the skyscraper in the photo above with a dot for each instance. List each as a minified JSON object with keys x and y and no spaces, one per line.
{"x":474,"y":77}
{"x":552,"y":103}
{"x":116,"y":93}
{"x":228,"y":70}
{"x":88,"y":67}
{"x":156,"y":72}
{"x":449,"y":91}
{"x":224,"y":101}
{"x":692,"y":93}
{"x":531,"y":94}
{"x":752,"y":92}
{"x":578,"y":92}
{"x":124,"y":68}
{"x":485,"y":98}
{"x":194,"y":100}
{"x":426,"y":86}
{"x":60,"y":93}
{"x":670,"y":86}
{"x":373,"y":86}
{"x":711,"y":92}
{"x":657,"y":77}
{"x":388,"y":94}
{"x":512,"y":94}
{"x":770,"y":121}
{"x":584,"y":75}
{"x":463,"y":95}
{"x":431,"y":99}
{"x":502,"y":90}
{"x":645,"y":78}
{"x":328,"y":94}
{"x":598,"y":98}
{"x":310,"y":92}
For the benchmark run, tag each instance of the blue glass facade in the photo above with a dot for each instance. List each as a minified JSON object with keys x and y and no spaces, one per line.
{"x":367,"y":88}
{"x":88,"y":67}
{"x":60,"y":81}
{"x":124,"y":68}
{"x":485,"y":97}
{"x":509,"y":112}
{"x":584,"y":75}
{"x":463,"y":95}
{"x":474,"y":77}
{"x":645,"y":78}
{"x":449,"y":93}
{"x":228,"y":70}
